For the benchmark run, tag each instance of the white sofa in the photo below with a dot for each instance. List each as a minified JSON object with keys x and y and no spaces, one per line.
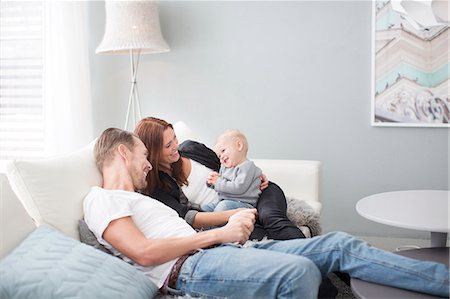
{"x":51,"y":191}
{"x":299,"y":179}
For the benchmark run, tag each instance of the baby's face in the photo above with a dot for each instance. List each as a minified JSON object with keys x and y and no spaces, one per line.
{"x":230,"y":152}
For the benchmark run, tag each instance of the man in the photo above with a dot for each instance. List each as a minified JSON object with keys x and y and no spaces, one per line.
{"x":153,"y":238}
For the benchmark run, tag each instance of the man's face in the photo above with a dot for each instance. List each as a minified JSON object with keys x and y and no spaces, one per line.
{"x":139,"y":165}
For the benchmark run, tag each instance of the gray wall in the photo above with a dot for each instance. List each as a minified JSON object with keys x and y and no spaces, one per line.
{"x":295,"y":77}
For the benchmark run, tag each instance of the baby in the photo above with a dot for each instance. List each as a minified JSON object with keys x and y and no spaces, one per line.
{"x":238,"y":181}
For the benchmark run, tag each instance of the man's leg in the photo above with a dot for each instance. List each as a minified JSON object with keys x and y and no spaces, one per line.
{"x":234,"y":272}
{"x":339,"y":251}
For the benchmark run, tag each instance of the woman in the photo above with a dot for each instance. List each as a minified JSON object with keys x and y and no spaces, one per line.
{"x":174,"y":168}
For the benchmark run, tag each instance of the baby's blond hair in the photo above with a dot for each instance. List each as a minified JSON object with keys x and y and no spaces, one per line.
{"x":235,"y":135}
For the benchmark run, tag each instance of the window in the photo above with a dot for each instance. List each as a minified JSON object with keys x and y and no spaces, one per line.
{"x":21,"y":80}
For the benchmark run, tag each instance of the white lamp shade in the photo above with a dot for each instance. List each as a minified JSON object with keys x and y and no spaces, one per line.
{"x":132,"y":25}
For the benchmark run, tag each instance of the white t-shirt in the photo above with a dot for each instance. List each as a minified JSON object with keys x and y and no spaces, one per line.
{"x":153,"y":218}
{"x":197,"y":191}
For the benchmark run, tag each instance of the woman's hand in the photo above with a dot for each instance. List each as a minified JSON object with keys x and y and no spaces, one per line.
{"x":264,"y":182}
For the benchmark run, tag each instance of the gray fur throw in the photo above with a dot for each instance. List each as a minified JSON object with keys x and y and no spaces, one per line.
{"x":302,"y":214}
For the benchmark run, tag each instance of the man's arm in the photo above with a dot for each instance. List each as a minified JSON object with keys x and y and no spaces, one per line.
{"x":125,"y":236}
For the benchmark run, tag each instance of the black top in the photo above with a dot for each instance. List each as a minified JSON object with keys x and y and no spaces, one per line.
{"x":174,"y":196}
{"x":200,"y":153}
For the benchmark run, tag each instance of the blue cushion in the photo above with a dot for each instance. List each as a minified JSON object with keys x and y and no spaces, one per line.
{"x":48,"y":264}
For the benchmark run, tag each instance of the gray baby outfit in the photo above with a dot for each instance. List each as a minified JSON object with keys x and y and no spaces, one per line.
{"x":240,"y":183}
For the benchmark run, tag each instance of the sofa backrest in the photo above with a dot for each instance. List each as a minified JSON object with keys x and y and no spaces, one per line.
{"x":299,"y":179}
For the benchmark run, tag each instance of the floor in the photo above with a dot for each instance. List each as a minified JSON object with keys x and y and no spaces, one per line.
{"x":394,"y":244}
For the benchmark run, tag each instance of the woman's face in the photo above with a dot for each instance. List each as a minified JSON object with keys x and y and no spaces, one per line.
{"x":169,"y":152}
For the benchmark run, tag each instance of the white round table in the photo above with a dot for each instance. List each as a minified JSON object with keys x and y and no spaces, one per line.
{"x":426,"y":210}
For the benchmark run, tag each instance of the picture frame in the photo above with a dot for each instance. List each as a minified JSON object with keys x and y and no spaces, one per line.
{"x":410,"y":69}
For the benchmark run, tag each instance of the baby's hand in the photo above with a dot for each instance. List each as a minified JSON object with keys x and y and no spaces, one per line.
{"x":212,"y":178}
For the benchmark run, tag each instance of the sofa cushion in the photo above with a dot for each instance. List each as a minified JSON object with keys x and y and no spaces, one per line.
{"x":297,"y":178}
{"x":48,"y":264}
{"x":52,"y":190}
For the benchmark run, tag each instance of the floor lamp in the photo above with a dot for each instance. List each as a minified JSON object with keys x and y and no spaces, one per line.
{"x":132,"y":27}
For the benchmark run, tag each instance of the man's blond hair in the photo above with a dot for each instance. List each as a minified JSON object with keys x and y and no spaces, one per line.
{"x":107,"y":143}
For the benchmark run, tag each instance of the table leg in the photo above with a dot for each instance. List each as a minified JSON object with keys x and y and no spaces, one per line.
{"x":438,"y":239}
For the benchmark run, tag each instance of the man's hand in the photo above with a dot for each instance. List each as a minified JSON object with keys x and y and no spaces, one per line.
{"x":239,"y":226}
{"x":264,"y":182}
{"x":212,"y":178}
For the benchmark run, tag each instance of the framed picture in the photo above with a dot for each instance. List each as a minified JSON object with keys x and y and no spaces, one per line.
{"x":410,"y":68}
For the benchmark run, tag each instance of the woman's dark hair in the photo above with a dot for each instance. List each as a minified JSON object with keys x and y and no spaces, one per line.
{"x":150,"y":130}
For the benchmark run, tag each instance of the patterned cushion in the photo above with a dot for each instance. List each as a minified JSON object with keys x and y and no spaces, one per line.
{"x":48,"y":264}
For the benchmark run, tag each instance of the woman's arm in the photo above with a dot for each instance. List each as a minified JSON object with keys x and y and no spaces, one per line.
{"x":205,"y":219}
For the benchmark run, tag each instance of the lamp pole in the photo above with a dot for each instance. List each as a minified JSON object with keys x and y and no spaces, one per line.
{"x":134,"y":106}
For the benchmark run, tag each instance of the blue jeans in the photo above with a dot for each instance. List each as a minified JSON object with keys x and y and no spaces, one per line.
{"x":294,"y":268}
{"x":224,"y":205}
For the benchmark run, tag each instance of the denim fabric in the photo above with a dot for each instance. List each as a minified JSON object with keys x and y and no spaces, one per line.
{"x":224,"y":205}
{"x":232,"y":272}
{"x":294,"y":268}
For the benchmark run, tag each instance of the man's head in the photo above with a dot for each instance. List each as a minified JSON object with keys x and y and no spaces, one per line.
{"x":119,"y":146}
{"x":231,"y":148}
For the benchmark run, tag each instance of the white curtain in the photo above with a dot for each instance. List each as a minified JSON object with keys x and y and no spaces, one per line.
{"x":67,"y":92}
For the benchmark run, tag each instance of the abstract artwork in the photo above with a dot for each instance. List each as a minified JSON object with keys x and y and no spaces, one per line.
{"x":410,"y":70}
